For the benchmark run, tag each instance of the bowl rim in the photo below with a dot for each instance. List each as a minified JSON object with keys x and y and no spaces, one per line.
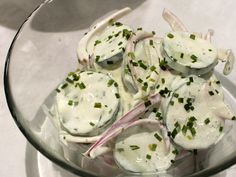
{"x":44,"y":151}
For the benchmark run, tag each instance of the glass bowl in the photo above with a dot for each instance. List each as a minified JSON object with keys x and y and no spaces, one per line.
{"x":44,"y":51}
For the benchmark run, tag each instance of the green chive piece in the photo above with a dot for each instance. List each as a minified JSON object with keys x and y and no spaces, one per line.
{"x":58,"y":90}
{"x":194,"y":58}
{"x":117,"y":95}
{"x":169,"y":35}
{"x":233,"y":118}
{"x":217,"y":82}
{"x":110,"y":82}
{"x":151,"y":42}
{"x":126,"y":33}
{"x":139,"y":80}
{"x":211,"y":93}
{"x":81,"y":85}
{"x":97,"y":58}
{"x":69,"y":80}
{"x":92,"y":124}
{"x":176,"y":152}
{"x":184,"y":129}
{"x":192,"y":36}
{"x":153,"y":68}
{"x":209,"y":50}
{"x":158,"y":137}
{"x":97,"y":105}
{"x":176,"y":95}
{"x":193,"y":131}
{"x":148,"y":156}
{"x":182,"y":55}
{"x":139,"y":29}
{"x":172,"y":102}
{"x":207,"y":121}
{"x":70,"y":102}
{"x":152,"y":147}
{"x":153,"y":32}
{"x":180,"y":100}
{"x":64,"y":85}
{"x":120,"y":43}
{"x":97,"y":42}
{"x":221,"y":129}
{"x":120,"y":149}
{"x":174,"y":133}
{"x":162,"y":80}
{"x":134,"y":147}
{"x":109,"y":62}
{"x":147,"y":103}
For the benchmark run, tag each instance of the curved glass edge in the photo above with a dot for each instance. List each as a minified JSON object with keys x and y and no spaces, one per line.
{"x":12,"y":108}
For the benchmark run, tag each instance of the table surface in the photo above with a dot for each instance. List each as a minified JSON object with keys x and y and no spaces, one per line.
{"x":19,"y":158}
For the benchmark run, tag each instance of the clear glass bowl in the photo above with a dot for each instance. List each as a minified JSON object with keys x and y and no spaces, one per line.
{"x":44,"y":51}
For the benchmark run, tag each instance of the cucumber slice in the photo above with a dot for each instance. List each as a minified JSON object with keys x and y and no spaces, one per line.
{"x":194,"y":115}
{"x":188,"y":53}
{"x":142,"y":148}
{"x":87,"y":103}
{"x":110,"y":45}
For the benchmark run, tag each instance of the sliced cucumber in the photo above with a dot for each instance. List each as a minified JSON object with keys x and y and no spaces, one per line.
{"x":188,"y":53}
{"x":193,"y":115}
{"x":111,"y":43}
{"x":87,"y":103}
{"x":143,"y":149}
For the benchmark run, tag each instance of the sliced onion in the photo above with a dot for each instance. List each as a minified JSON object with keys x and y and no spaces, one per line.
{"x":209,"y":34}
{"x":128,"y":118}
{"x":173,"y":21}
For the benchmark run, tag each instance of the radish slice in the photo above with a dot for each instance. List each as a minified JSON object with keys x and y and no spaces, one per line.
{"x":142,"y":147}
{"x":83,"y":53}
{"x":173,"y":21}
{"x":127,"y":118}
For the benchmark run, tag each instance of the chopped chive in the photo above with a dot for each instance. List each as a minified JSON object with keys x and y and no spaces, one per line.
{"x":221,"y":129}
{"x":142,"y":65}
{"x":115,"y":84}
{"x":172,"y":102}
{"x":131,"y":55}
{"x":111,"y":21}
{"x":118,"y":24}
{"x":139,"y":80}
{"x":169,"y":35}
{"x":216,"y":91}
{"x":154,"y":110}
{"x":217,"y":82}
{"x":120,"y":149}
{"x":176,"y":95}
{"x":192,"y":36}
{"x":151,"y":42}
{"x":64,"y":85}
{"x":162,"y":80}
{"x":148,"y":156}
{"x":157,"y":87}
{"x":97,"y":42}
{"x":176,"y":152}
{"x":233,"y":118}
{"x":70,"y":102}
{"x":192,"y":119}
{"x":152,"y":147}
{"x":134,"y":147}
{"x":76,"y":103}
{"x":174,"y":133}
{"x":92,"y":124}
{"x":153,"y":68}
{"x":182,"y":55}
{"x":194,"y":58}
{"x":120,"y":43}
{"x":97,"y":105}
{"x":117,"y":95}
{"x":193,"y":131}
{"x":117,"y":34}
{"x":110,"y":82}
{"x":207,"y":121}
{"x":126,"y":33}
{"x":147,"y":103}
{"x":139,"y":29}
{"x":153,"y":32}
{"x":209,"y":50}
{"x":190,"y":79}
{"x":158,"y":137}
{"x":211,"y":93}
{"x":69,"y":80}
{"x":97,"y":58}
{"x":81,"y":85}
{"x":184,"y":129}
{"x":58,"y":90}
{"x":180,"y":100}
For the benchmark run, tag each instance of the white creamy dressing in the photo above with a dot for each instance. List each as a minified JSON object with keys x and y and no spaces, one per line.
{"x":84,"y":110}
{"x":207,"y":124}
{"x":188,"y":53}
{"x":138,"y":150}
